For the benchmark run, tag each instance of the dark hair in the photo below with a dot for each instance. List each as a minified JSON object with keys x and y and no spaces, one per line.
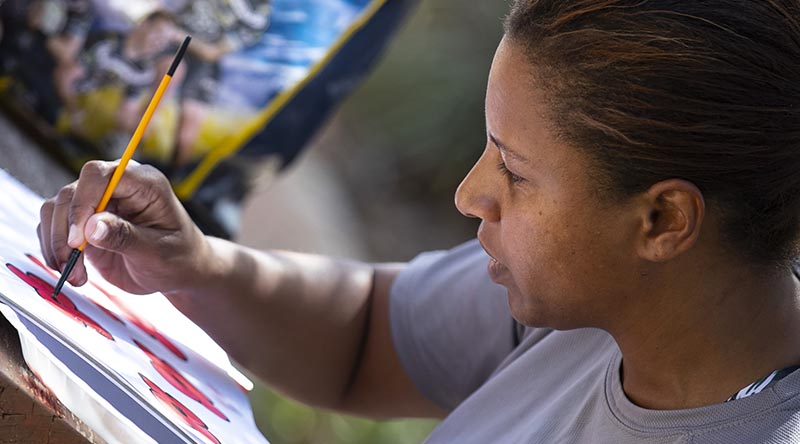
{"x":703,"y":90}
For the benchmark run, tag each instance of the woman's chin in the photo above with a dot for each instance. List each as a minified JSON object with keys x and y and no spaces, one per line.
{"x":520,"y":309}
{"x":529,"y":313}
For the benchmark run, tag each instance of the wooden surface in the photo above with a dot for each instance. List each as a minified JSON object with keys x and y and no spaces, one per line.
{"x":29,"y":413}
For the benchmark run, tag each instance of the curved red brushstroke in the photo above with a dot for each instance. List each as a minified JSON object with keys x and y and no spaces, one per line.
{"x":62,"y":302}
{"x":143,"y":324}
{"x":52,"y":272}
{"x":180,"y":382}
{"x":181,"y":410}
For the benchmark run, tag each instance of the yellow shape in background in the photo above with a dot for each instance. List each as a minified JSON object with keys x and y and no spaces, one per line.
{"x":158,"y":144}
{"x":218,"y":126}
{"x":5,"y":83}
{"x":96,"y":116}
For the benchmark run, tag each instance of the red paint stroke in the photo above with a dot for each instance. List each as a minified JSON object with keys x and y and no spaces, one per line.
{"x":181,"y":410}
{"x":178,"y":381}
{"x":143,"y":324}
{"x":52,"y":272}
{"x":110,"y":313}
{"x":41,"y":265}
{"x":61,"y":301}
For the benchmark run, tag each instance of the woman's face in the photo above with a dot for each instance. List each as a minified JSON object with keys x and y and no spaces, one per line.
{"x":565,"y":254}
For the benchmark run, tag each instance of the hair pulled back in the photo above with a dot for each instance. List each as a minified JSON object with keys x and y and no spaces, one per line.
{"x":703,"y":90}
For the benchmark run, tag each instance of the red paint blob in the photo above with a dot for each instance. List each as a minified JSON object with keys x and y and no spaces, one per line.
{"x":52,"y":272}
{"x":61,"y":301}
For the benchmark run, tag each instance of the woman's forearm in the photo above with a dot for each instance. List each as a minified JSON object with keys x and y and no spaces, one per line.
{"x":295,"y":320}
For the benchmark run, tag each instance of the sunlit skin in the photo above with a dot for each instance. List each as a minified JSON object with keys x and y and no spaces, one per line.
{"x":690,"y":319}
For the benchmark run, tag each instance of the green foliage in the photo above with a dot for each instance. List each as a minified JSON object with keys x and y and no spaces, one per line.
{"x":287,"y":422}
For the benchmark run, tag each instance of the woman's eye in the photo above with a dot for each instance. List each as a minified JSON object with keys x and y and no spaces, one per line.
{"x":511,"y":176}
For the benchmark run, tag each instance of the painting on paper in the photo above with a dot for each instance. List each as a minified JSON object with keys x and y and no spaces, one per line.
{"x":127,"y":365}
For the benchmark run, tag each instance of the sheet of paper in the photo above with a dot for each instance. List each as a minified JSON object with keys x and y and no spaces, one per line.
{"x":128,"y":365}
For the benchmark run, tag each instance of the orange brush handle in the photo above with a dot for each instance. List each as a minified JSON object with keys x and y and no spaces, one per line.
{"x":131,"y":148}
{"x":126,"y":157}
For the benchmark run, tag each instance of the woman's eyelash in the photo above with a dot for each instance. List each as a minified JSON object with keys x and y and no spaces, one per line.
{"x":511,"y":176}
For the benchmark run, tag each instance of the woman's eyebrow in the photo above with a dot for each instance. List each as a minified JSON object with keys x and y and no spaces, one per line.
{"x":504,"y":148}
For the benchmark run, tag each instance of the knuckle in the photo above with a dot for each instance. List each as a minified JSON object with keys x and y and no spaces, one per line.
{"x":154,"y":176}
{"x":155,"y":184}
{"x":95,"y":168}
{"x":65,"y":195}
{"x":148,"y":169}
{"x":46,"y":209}
{"x":92,"y":168}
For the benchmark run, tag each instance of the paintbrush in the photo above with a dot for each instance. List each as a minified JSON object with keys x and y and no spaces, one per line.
{"x":126,"y":156}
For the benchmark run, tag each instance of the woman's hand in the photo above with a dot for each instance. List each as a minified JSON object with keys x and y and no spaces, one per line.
{"x":144,"y":241}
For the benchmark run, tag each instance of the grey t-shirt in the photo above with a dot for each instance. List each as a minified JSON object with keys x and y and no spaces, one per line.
{"x":505,"y":383}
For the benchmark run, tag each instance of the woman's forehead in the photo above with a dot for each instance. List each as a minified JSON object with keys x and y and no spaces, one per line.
{"x":515,"y":107}
{"x":519,"y":118}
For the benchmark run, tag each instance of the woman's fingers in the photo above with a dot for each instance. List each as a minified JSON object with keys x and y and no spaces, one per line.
{"x":45,"y":220}
{"x":59,"y":229}
{"x":88,"y":192}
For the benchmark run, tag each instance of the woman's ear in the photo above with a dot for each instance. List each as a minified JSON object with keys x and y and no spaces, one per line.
{"x":672,"y":216}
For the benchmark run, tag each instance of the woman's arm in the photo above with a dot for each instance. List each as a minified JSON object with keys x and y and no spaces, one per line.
{"x":314,"y":327}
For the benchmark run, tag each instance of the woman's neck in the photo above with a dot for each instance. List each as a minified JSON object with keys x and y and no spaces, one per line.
{"x":699,"y":344}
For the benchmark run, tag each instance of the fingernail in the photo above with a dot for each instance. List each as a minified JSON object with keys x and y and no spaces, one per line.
{"x":100,"y":231}
{"x":72,"y":238}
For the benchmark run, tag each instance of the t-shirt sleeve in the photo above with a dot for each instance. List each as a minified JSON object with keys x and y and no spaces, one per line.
{"x":450,"y":323}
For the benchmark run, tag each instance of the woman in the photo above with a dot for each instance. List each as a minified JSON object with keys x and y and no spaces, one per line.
{"x":640,"y":207}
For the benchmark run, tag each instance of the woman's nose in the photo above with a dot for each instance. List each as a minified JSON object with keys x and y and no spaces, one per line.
{"x":476,"y":196}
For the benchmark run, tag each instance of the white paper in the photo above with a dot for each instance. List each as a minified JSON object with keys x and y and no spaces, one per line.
{"x":132,"y":367}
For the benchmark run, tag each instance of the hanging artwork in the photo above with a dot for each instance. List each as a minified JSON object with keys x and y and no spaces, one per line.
{"x":132,"y":367}
{"x":260,"y":77}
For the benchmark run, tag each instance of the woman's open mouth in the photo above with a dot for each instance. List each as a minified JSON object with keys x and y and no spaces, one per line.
{"x":497,"y":271}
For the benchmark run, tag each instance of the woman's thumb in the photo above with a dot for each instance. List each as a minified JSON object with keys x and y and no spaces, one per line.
{"x":111,"y":232}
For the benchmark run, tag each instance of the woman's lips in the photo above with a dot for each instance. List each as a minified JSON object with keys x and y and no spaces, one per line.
{"x":496,"y":270}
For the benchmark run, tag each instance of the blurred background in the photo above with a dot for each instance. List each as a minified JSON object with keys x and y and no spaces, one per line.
{"x":377,"y":183}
